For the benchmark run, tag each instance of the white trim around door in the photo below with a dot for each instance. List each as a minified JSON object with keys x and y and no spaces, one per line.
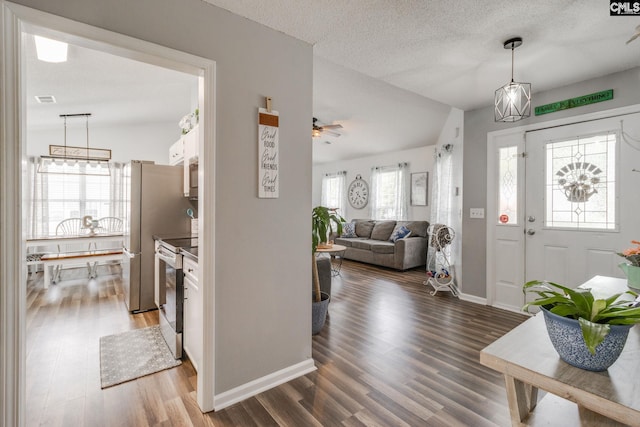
{"x":15,"y":20}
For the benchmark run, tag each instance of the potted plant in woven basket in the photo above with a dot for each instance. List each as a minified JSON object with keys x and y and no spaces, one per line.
{"x":586,"y":332}
{"x":323,"y":220}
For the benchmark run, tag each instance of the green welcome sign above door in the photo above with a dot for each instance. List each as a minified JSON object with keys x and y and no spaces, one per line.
{"x":580,"y":101}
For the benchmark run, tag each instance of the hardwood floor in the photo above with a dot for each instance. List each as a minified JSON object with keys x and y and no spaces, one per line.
{"x":390,"y":354}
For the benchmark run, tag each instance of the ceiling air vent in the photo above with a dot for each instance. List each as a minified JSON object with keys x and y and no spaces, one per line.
{"x":46,"y":99}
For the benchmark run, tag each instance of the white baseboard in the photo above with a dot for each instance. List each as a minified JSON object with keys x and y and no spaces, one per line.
{"x":259,"y":385}
{"x":473,"y":298}
{"x":509,"y":308}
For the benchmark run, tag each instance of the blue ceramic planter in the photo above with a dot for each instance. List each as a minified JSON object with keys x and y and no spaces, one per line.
{"x":566,"y":337}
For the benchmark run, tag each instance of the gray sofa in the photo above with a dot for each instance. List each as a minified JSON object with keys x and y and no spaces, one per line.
{"x":372,"y":244}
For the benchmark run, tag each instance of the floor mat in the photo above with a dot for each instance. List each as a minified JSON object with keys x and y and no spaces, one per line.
{"x":133,"y":354}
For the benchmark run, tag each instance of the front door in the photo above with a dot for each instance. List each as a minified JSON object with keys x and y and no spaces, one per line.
{"x":581,"y":203}
{"x":561,"y":202}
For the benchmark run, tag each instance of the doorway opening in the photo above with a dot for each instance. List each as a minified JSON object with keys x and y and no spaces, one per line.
{"x":18,"y":24}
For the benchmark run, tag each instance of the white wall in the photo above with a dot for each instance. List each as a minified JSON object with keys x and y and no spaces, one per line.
{"x":262,"y":256}
{"x":419,"y":160}
{"x":149,"y":141}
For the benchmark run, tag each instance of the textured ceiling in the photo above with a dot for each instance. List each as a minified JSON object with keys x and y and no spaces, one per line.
{"x":452,"y":52}
{"x":388,"y":71}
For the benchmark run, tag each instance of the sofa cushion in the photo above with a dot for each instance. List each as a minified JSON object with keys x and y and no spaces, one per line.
{"x":400,"y":233}
{"x":361,"y":244}
{"x":417,"y":228}
{"x":348,"y":230}
{"x":364,"y":228}
{"x":378,"y":247}
{"x":382,"y":230}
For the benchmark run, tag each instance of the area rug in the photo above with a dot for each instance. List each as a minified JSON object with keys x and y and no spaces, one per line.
{"x":133,"y":354}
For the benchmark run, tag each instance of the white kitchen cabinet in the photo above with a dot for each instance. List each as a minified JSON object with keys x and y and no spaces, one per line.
{"x":191,"y":144}
{"x":176,"y":153}
{"x":192,"y":336}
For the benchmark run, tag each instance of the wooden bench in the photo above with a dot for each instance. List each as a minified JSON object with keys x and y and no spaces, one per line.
{"x":67,"y":258}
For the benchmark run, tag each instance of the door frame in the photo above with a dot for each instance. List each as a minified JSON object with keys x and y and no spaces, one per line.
{"x":14,"y":20}
{"x":492,"y":206}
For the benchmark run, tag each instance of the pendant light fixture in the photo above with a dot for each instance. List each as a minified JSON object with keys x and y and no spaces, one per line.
{"x":513,"y":100}
{"x":70,"y":160}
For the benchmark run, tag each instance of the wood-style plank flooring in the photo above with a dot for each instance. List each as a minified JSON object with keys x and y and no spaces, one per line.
{"x":390,"y":354}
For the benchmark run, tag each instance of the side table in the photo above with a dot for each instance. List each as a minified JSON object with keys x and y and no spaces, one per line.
{"x":335,"y":252}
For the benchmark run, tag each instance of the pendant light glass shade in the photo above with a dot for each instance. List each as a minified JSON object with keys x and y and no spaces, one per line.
{"x":512,"y":101}
{"x":69,"y":160}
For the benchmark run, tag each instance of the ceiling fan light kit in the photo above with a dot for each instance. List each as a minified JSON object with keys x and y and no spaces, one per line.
{"x":318,"y":130}
{"x":512,"y":101}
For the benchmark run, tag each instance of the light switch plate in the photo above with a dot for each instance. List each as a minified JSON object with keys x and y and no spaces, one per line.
{"x":477,"y":213}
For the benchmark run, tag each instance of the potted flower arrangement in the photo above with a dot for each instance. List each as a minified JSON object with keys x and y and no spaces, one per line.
{"x":322,"y":220}
{"x":632,"y":268}
{"x":586,"y":332}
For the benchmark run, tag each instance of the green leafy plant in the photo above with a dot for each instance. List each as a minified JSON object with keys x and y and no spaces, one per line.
{"x":594,"y":315}
{"x":322,"y":221}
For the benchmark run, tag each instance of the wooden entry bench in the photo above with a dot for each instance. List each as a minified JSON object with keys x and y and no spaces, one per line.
{"x":67,"y":258}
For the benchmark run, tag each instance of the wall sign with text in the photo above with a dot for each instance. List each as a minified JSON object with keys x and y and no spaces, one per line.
{"x":268,"y":146}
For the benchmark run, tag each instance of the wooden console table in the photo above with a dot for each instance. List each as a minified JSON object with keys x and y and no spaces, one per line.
{"x":529,"y":362}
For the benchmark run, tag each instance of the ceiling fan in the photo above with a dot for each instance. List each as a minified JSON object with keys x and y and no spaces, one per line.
{"x":318,"y":130}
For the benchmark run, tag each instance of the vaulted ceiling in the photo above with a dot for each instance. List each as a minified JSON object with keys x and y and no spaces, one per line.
{"x":387,"y":71}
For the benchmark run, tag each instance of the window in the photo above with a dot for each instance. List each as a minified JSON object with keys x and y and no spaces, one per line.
{"x":390,"y":192}
{"x":581,"y":183}
{"x":334,"y":192}
{"x":58,"y":195}
{"x":508,"y":185}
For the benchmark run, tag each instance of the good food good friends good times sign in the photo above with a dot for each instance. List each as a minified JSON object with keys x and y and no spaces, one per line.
{"x":268,"y":136}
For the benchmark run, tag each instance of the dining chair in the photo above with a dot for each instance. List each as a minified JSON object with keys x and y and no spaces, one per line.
{"x":110,"y":224}
{"x":69,"y":227}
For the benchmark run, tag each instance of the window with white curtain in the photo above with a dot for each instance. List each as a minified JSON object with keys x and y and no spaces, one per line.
{"x":55,"y":196}
{"x":334,"y":192}
{"x":390,"y":192}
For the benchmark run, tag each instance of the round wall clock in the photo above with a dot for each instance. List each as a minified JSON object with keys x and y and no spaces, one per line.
{"x":358,"y":193}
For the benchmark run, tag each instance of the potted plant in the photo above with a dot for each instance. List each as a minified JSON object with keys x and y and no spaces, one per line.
{"x":632,"y":268}
{"x":322,"y":221}
{"x":586,"y":332}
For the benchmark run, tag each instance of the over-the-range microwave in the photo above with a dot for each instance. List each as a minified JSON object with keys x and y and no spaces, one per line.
{"x":193,"y":179}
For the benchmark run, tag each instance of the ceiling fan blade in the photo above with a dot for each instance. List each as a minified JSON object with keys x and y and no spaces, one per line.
{"x":338,"y":126}
{"x":329,"y":132}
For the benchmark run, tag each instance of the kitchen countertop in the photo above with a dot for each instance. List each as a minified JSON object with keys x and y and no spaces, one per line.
{"x":191,"y":253}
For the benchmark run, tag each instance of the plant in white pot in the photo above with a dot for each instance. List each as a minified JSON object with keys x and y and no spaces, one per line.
{"x":586,"y":332}
{"x":323,"y":220}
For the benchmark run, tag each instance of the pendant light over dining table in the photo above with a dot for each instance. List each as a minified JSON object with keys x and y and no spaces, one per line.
{"x":513,"y":100}
{"x":73,"y":160}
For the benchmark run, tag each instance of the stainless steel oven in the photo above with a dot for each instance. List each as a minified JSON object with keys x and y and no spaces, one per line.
{"x":169,"y":294}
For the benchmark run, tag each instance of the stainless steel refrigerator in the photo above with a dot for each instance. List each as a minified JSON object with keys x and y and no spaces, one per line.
{"x":154,"y":205}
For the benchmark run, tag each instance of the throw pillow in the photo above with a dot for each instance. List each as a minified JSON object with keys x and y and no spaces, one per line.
{"x":348,"y":229}
{"x":400,"y":233}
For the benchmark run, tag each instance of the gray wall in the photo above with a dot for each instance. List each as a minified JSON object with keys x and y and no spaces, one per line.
{"x":263,"y":260}
{"x":477,"y":123}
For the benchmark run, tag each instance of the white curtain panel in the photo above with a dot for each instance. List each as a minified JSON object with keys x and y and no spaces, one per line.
{"x":389,"y":197}
{"x":334,"y":191}
{"x":441,"y":194}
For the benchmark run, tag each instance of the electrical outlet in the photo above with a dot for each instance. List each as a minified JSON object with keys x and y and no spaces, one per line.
{"x":477,"y":213}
